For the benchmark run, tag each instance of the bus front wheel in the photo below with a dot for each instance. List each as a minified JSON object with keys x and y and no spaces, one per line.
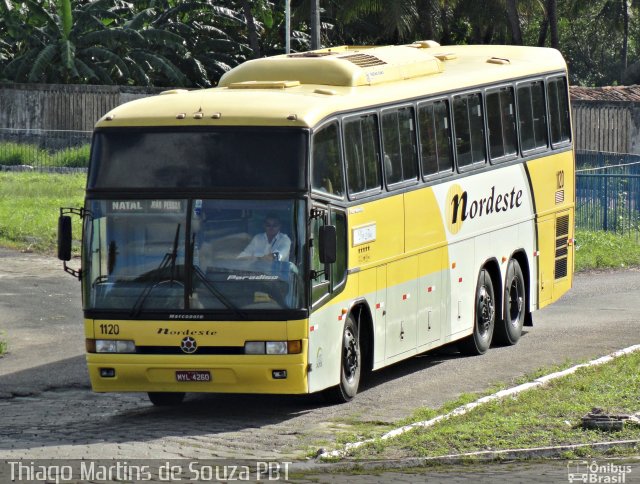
{"x":350,"y":365}
{"x":508,"y":331}
{"x":484,"y":317}
{"x":166,"y":399}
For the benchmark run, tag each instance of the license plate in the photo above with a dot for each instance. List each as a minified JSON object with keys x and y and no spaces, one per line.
{"x":193,"y":375}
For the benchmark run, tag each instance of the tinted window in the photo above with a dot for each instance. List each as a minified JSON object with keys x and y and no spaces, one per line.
{"x":399,"y":144}
{"x":558,"y":110}
{"x":362,"y":153}
{"x":435,"y":137}
{"x":327,"y":162}
{"x":469,"y":126}
{"x":501,"y":120}
{"x":532,"y":114}
{"x":215,"y":158}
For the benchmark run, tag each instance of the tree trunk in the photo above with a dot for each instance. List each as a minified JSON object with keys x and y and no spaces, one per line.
{"x":544,"y":28}
{"x":444,"y":20}
{"x":251,"y":28}
{"x":552,"y":15}
{"x":625,"y":40}
{"x":315,"y":24}
{"x":514,"y":22}
{"x":425,"y":20}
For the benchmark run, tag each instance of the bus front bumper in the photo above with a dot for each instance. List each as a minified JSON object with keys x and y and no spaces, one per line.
{"x":286,"y":374}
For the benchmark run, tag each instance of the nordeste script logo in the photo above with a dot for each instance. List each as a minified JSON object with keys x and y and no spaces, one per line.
{"x":460,"y":207}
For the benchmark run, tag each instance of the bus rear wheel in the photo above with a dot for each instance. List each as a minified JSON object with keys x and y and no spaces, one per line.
{"x":484,"y":317}
{"x":509,"y":330}
{"x":166,"y":399}
{"x":350,"y":365}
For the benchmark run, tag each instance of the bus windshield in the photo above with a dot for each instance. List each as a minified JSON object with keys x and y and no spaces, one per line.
{"x":238,"y":256}
{"x":224,"y":158}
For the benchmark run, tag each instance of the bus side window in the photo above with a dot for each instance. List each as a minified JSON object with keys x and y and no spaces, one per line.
{"x":327,"y":163}
{"x":399,"y":144}
{"x":469,"y":126}
{"x":435,"y":137}
{"x":532,"y":113}
{"x":501,"y":122}
{"x":362,"y":153}
{"x":558,"y":110}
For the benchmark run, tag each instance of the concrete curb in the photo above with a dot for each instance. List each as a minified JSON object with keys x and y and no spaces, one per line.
{"x":557,"y":452}
{"x":470,"y":406}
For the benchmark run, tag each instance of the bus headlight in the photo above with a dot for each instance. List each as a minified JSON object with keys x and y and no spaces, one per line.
{"x":115,"y":346}
{"x":276,"y":347}
{"x":273,"y":347}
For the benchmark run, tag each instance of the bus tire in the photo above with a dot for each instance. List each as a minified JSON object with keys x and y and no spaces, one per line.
{"x":484,"y":316}
{"x":166,"y":399}
{"x":509,"y":330}
{"x":350,"y":365}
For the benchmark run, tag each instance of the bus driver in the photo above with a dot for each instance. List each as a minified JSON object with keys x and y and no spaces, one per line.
{"x":270,"y":245}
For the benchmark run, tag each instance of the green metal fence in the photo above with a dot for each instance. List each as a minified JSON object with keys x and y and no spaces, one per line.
{"x":608,"y":192}
{"x":32,"y":149}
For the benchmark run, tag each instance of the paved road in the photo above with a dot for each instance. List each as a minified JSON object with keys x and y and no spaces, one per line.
{"x":47,"y":410}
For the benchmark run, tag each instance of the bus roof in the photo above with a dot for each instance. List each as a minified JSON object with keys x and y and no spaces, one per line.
{"x":304,"y":88}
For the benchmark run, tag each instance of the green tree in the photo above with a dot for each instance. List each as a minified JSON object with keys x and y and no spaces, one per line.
{"x":154,"y":42}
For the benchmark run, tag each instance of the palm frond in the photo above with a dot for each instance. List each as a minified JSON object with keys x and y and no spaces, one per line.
{"x":141,"y":19}
{"x":162,"y":65}
{"x":138,"y":73}
{"x":84,"y":71}
{"x":206,"y":29}
{"x":17,"y":69}
{"x":67,"y":56}
{"x":105,"y":55}
{"x":104,"y":77}
{"x":113,"y":36}
{"x":164,"y":37}
{"x":200,"y":76}
{"x":221,"y":45}
{"x":40,"y":14}
{"x":43,"y":62}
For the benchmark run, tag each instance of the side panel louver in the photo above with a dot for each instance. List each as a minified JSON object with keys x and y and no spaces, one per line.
{"x":562,"y":243}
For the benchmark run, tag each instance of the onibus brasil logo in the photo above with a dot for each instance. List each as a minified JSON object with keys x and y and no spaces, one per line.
{"x":594,"y":472}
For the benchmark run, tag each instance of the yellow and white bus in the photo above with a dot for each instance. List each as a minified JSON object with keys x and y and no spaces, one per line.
{"x":322,"y":214}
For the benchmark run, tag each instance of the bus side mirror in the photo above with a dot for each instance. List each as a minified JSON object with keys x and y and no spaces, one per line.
{"x":328,"y":244}
{"x":64,"y":238}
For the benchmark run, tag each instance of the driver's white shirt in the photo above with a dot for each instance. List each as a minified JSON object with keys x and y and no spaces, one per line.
{"x":260,"y":246}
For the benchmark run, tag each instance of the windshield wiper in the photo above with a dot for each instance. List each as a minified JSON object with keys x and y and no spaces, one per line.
{"x":169,"y":260}
{"x":212,"y":289}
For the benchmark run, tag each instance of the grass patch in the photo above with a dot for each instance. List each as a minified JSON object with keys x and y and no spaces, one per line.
{"x":29,"y":208}
{"x":12,"y":154}
{"x":605,"y":250}
{"x":545,"y":416}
